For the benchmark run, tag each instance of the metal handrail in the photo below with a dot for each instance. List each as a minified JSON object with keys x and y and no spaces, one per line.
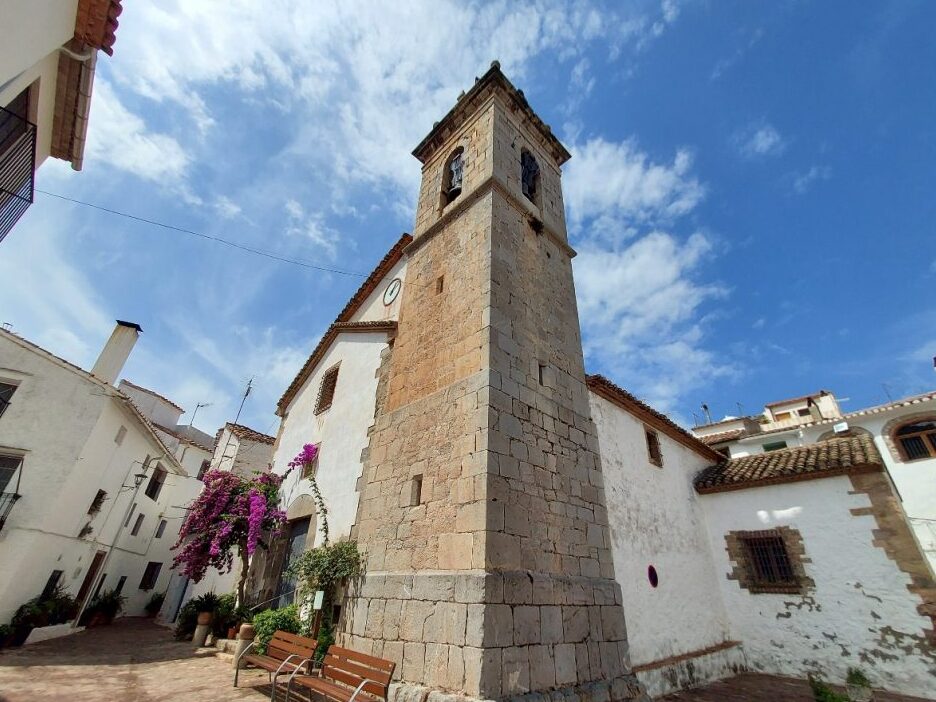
{"x":17,"y":168}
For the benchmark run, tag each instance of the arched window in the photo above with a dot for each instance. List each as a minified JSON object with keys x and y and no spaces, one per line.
{"x":529,"y":175}
{"x":452,"y":176}
{"x":917,"y":439}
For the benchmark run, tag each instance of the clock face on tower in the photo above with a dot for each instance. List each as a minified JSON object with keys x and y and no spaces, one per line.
{"x":393,"y":289}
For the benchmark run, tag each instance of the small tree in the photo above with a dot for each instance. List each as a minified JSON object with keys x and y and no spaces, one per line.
{"x":231,"y":515}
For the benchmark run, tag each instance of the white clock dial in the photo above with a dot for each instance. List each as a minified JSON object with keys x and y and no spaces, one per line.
{"x":393,"y":289}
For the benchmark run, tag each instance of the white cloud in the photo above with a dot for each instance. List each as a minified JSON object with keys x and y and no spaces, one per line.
{"x":617,"y":179}
{"x":226,"y":207}
{"x":311,"y":226}
{"x":760,"y":140}
{"x":804,"y":181}
{"x":120,"y":138}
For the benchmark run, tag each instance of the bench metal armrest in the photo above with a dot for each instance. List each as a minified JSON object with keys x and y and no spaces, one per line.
{"x":289,"y":658}
{"x":241,"y":654}
{"x":359,"y":688}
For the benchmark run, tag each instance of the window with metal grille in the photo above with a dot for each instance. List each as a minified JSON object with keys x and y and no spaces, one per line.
{"x":327,"y":390}
{"x":8,"y":467}
{"x":917,"y":440}
{"x":768,"y":562}
{"x":136,"y":525}
{"x":654,"y":454}
{"x":160,"y":530}
{"x":6,"y":394}
{"x":154,"y":487}
{"x":150,"y":575}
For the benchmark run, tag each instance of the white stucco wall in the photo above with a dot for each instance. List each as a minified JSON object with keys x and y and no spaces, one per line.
{"x":656,"y":520}
{"x":155,"y":408}
{"x":65,"y":425}
{"x":860,"y":612}
{"x":373,"y":309}
{"x":31,"y":30}
{"x":341,"y":430}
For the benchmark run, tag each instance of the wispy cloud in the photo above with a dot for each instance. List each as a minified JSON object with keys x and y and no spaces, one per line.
{"x":802,"y":182}
{"x":759,"y":140}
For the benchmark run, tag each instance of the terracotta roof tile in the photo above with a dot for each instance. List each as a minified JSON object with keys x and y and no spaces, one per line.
{"x":611,"y":392}
{"x":96,"y":23}
{"x":242,"y":432}
{"x":821,"y":460}
{"x":722,"y":436}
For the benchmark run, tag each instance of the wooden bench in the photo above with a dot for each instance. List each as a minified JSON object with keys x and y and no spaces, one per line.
{"x":285,"y":653}
{"x":347,"y":676}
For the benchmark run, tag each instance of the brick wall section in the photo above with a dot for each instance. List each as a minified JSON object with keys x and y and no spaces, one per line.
{"x":894,"y":535}
{"x":743,"y":572}
{"x":501,"y":581}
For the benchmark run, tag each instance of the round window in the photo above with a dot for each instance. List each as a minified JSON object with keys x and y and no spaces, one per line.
{"x":652,"y":576}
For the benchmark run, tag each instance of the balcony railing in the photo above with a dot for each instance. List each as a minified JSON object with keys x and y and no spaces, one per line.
{"x":7,"y":500}
{"x":17,"y":168}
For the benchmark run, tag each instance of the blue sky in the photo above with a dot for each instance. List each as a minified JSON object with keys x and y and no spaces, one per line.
{"x":751,"y":190}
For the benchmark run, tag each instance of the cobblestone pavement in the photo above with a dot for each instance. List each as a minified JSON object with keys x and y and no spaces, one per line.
{"x":133,"y":660}
{"x":753,"y":687}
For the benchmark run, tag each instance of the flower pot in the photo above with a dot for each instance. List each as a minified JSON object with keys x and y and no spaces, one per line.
{"x":859,"y":693}
{"x":204,"y":618}
{"x":232,"y":632}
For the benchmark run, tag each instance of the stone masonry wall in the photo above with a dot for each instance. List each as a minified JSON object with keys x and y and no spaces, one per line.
{"x":499,"y":581}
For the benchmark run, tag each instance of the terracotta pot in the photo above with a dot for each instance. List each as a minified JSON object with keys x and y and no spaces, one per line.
{"x":204,"y":618}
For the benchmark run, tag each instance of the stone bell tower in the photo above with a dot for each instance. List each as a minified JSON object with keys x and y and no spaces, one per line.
{"x":482,"y":509}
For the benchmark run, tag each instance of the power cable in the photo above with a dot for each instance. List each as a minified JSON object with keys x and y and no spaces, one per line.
{"x":217,"y":239}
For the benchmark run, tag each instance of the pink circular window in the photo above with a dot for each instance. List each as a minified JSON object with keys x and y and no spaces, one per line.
{"x":652,"y":576}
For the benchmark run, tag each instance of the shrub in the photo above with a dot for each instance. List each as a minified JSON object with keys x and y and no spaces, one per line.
{"x":824,"y":693}
{"x":155,"y":603}
{"x":57,"y":607}
{"x":108,"y":603}
{"x":225,"y":615}
{"x":207,"y":602}
{"x":857,"y":678}
{"x":268,"y":622}
{"x":186,"y":621}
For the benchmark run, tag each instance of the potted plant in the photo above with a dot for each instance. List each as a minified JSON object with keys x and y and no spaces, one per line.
{"x":155,"y":604}
{"x":105,"y":607}
{"x":206,"y":605}
{"x":858,"y":686}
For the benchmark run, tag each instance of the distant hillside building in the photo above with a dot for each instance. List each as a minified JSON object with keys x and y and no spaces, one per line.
{"x":532,"y":529}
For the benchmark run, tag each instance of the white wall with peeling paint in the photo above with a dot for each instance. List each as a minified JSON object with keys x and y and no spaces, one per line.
{"x":656,"y":519}
{"x":860,"y":612}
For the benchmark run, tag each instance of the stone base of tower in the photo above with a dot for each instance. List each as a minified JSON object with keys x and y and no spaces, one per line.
{"x":515,"y":635}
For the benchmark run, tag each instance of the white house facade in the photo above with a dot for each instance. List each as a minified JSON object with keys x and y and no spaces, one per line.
{"x":92,"y":495}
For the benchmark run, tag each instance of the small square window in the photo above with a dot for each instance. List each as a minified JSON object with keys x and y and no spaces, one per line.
{"x":327,"y":390}
{"x":542,"y":374}
{"x":120,"y":584}
{"x":8,"y":467}
{"x":205,"y":465}
{"x":136,"y":525}
{"x":97,"y":502}
{"x":154,"y":487}
{"x":6,"y":394}
{"x":654,"y":454}
{"x":130,"y":515}
{"x":775,"y":446}
{"x":51,"y":584}
{"x":768,"y":562}
{"x":121,"y":433}
{"x":150,"y":575}
{"x":440,"y":284}
{"x":161,"y":529}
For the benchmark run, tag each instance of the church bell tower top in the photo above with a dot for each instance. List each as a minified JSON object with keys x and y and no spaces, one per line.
{"x":493,"y":81}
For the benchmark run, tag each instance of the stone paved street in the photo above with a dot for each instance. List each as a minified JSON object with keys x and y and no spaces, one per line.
{"x":132,"y":660}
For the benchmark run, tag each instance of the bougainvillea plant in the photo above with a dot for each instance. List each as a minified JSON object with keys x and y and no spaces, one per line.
{"x":305,"y":460}
{"x":232,"y":515}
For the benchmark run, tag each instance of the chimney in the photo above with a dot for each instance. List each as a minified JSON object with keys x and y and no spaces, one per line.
{"x":116,"y":352}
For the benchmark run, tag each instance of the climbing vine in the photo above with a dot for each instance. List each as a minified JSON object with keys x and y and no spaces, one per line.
{"x":306,"y":461}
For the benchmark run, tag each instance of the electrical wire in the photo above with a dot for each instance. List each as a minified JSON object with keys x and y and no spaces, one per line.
{"x":216,"y":239}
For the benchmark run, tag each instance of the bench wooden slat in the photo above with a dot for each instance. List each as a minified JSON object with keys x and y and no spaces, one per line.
{"x":349,"y":666}
{"x":353,"y":681}
{"x":340,"y":693}
{"x":364,"y":658}
{"x":280,"y":649}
